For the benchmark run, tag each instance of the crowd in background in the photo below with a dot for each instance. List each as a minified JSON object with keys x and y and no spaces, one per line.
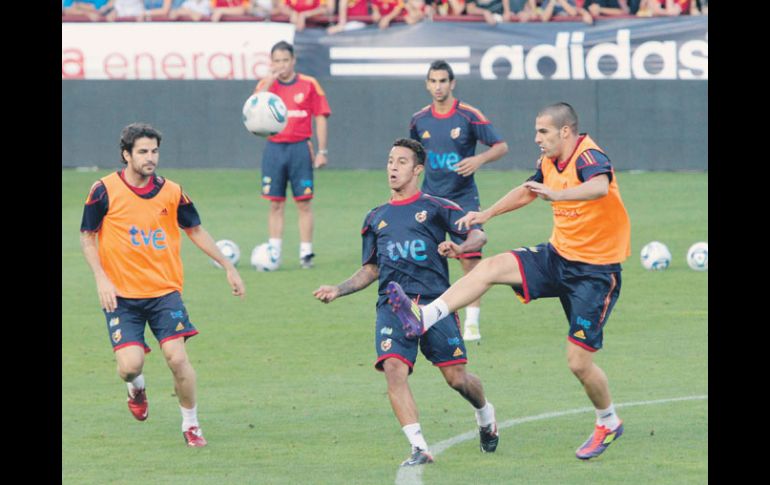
{"x":340,"y":15}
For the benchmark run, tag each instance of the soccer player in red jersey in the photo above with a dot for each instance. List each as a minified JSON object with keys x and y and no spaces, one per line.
{"x":288,"y":156}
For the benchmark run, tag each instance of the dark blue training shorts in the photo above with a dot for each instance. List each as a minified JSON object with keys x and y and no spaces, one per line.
{"x":166,"y":315}
{"x":588,"y":292}
{"x":442,"y":344}
{"x":284,"y":163}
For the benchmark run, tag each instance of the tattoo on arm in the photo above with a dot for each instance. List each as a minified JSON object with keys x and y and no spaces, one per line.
{"x":360,"y":280}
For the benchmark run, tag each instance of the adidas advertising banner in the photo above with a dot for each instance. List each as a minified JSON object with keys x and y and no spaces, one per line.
{"x":639,"y":48}
{"x":169,"y":50}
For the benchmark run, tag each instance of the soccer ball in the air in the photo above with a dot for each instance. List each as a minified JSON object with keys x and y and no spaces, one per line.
{"x":230,"y":250}
{"x":264,"y":114}
{"x":265,"y":257}
{"x":656,"y":256}
{"x":698,"y":256}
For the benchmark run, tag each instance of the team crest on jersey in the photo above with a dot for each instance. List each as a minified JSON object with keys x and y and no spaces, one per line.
{"x":180,"y":326}
{"x":299,"y":97}
{"x":114,"y":321}
{"x":421,"y":216}
{"x":457,"y":353}
{"x":386,"y":344}
{"x":425,"y":134}
{"x":117,"y":335}
{"x":381,"y":224}
{"x":455,"y":132}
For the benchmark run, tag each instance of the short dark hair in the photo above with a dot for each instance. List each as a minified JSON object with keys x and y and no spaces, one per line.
{"x":563,"y":115}
{"x":442,"y":65}
{"x":133,"y":132}
{"x":283,"y":46}
{"x":415,"y":146}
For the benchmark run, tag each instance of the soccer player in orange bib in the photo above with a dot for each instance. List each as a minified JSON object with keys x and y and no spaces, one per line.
{"x":131,"y":240}
{"x":580,"y":264}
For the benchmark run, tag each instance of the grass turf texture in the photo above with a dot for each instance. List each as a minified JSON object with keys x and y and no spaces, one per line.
{"x":286,"y":388}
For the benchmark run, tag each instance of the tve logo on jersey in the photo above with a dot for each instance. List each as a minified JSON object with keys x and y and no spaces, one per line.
{"x":443,"y":161}
{"x":415,"y":249}
{"x":152,"y":237}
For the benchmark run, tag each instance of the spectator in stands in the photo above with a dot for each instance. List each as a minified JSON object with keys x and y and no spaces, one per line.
{"x":416,"y":11}
{"x":606,"y":8}
{"x":565,"y":8}
{"x":195,"y":10}
{"x":123,"y":9}
{"x":384,"y":11}
{"x":219,"y":8}
{"x":348,"y":8}
{"x":446,"y":7}
{"x":665,"y":8}
{"x":524,"y":10}
{"x":263,"y":8}
{"x":493,"y":11}
{"x":299,"y":11}
{"x":89,"y":8}
{"x":159,"y":8}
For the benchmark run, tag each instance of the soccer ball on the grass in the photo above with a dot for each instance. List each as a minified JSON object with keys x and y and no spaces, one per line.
{"x":698,"y":256}
{"x":230,"y":250}
{"x":265,"y":257}
{"x":264,"y":114}
{"x":656,"y":256}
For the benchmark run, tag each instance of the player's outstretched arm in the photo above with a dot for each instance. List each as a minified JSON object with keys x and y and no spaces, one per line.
{"x":201,"y":238}
{"x":108,"y":294}
{"x":516,"y":198}
{"x":362,"y":278}
{"x":594,"y":188}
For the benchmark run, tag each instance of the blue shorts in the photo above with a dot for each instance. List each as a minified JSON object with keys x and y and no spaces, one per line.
{"x":284,"y":163}
{"x":588,"y":292}
{"x":442,"y":344}
{"x":166,"y":315}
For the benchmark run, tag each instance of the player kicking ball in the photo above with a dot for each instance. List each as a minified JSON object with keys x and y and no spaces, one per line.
{"x":580,"y":264}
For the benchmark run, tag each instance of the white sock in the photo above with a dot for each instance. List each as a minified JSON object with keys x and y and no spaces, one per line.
{"x":486,"y":415}
{"x":276,"y":243}
{"x":434,"y":312}
{"x":472,"y":315}
{"x":136,"y":385}
{"x":415,"y":437}
{"x":607,"y":417}
{"x":305,"y":248}
{"x":189,"y":417}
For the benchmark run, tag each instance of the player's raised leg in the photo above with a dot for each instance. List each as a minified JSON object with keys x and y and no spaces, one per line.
{"x":469,"y":386}
{"x":608,"y":426}
{"x":130,"y":361}
{"x":499,"y":269}
{"x":185,"y":386}
{"x":405,"y":409}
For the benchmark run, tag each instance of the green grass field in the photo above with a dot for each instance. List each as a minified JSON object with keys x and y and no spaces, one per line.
{"x":286,"y":389}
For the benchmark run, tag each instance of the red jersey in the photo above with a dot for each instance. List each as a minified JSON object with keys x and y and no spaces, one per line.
{"x":387,"y":6}
{"x":304,"y":99}
{"x":229,"y":3}
{"x":302,"y":5}
{"x":357,"y":7}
